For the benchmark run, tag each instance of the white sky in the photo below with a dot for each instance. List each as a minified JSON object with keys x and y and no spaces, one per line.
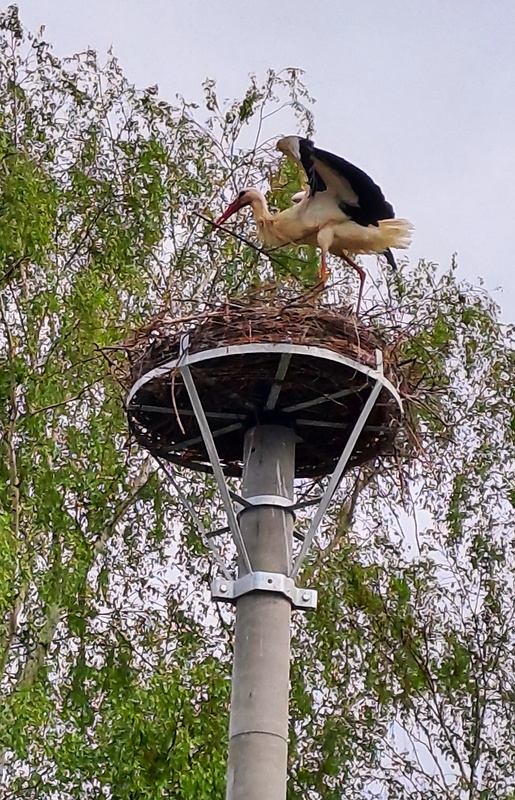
{"x":419,"y":93}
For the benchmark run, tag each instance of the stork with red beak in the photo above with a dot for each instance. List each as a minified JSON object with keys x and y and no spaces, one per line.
{"x":342,"y":211}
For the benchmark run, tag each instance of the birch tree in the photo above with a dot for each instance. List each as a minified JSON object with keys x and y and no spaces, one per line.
{"x":115,"y":667}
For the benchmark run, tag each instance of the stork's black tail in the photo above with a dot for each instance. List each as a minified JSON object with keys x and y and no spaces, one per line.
{"x":389,"y":257}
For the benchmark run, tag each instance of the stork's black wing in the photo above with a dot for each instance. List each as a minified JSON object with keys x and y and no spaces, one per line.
{"x":315,"y":181}
{"x":355,"y":192}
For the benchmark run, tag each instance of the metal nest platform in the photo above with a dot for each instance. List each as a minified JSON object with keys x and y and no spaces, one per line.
{"x":242,"y":364}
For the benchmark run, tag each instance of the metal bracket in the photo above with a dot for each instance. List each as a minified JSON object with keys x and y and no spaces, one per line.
{"x":246,"y":503}
{"x":305,"y":599}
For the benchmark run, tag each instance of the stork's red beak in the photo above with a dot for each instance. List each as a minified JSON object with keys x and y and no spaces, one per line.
{"x":232,"y":209}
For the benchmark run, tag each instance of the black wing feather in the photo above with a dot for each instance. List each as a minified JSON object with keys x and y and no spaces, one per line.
{"x":389,"y":257}
{"x":315,"y":182}
{"x":372,"y":205}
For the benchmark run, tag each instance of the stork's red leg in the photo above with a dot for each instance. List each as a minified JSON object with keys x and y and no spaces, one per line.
{"x":362,"y":275}
{"x":360,"y":293}
{"x":323,"y":271}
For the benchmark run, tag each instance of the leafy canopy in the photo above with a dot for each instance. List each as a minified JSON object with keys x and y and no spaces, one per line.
{"x":115,"y":666}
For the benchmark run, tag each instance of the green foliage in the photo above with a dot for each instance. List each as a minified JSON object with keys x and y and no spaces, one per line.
{"x":114,"y":667}
{"x":28,"y":208}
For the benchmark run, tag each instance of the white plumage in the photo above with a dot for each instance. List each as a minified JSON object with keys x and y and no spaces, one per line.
{"x":343,"y":210}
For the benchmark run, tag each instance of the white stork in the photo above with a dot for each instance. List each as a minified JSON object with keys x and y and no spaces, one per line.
{"x":343,"y":210}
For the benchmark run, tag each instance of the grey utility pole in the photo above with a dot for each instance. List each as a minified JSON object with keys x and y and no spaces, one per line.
{"x":258,"y":731}
{"x":347,"y":407}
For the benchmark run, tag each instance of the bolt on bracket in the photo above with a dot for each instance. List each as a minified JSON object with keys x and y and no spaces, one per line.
{"x":229,"y":591}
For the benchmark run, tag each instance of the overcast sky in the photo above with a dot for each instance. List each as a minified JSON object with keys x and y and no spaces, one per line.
{"x":419,"y":93}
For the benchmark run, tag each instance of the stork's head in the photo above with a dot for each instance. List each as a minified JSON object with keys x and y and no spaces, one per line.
{"x":290,"y":146}
{"x":246,"y":197}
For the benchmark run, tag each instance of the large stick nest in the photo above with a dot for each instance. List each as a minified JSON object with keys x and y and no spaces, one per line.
{"x":235,"y":389}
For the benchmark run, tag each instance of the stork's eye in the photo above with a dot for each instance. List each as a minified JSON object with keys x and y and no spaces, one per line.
{"x":241,"y":195}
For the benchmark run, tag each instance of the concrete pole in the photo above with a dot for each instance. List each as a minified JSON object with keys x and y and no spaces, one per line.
{"x":258,"y":731}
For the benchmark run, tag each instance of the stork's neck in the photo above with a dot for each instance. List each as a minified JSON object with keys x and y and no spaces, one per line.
{"x":260,"y":210}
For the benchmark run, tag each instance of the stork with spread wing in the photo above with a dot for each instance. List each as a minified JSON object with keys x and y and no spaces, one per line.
{"x":342,"y":211}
